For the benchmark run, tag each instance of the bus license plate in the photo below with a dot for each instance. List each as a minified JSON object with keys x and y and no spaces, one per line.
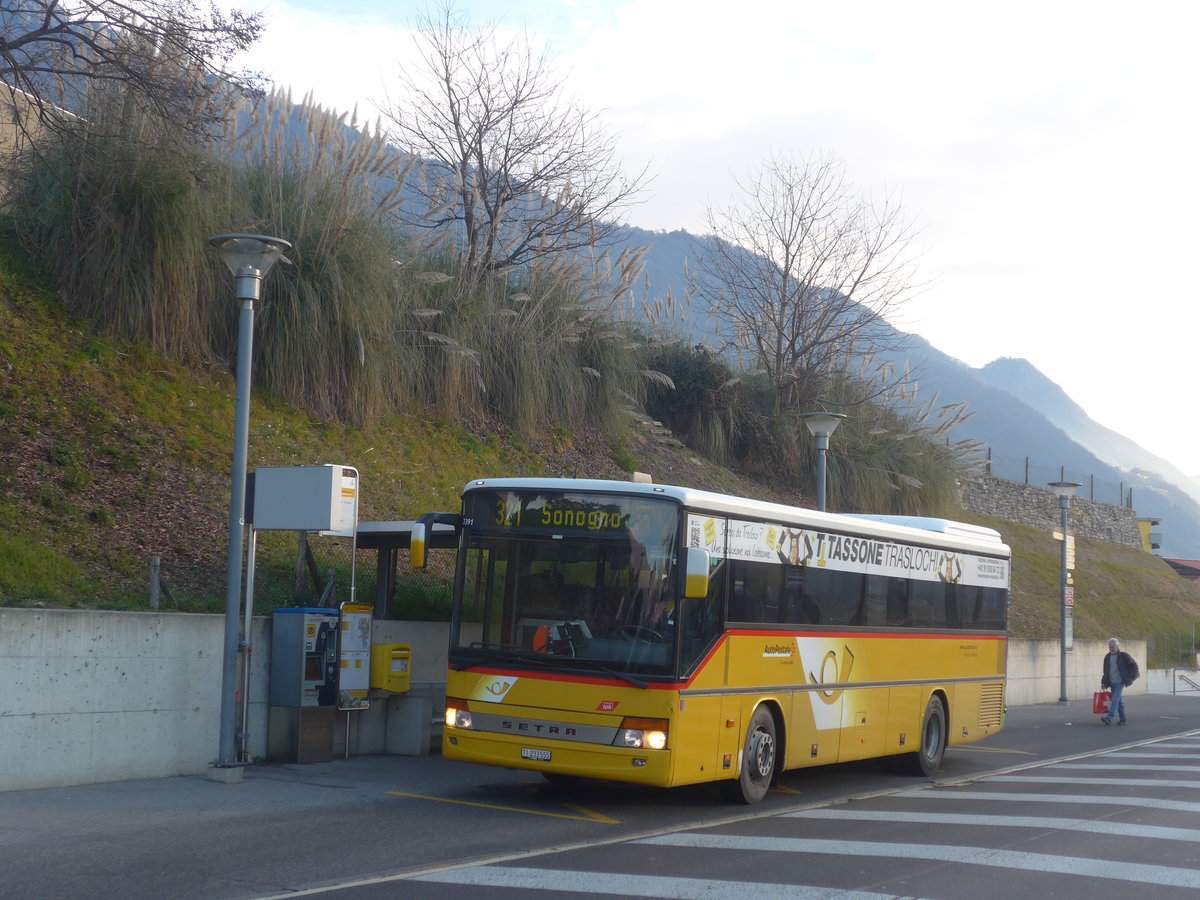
{"x":539,"y":755}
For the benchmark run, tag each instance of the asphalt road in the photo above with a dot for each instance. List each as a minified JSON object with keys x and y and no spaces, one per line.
{"x":386,"y":826}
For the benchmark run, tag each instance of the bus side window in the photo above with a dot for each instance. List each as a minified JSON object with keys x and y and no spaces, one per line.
{"x":833,"y":597}
{"x":897,"y":602}
{"x":954,"y":610}
{"x":754,"y":593}
{"x":876,"y":600}
{"x":741,"y":603}
{"x":993,"y":613}
{"x":927,"y":604}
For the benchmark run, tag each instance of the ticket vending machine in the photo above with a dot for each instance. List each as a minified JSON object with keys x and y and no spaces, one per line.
{"x":304,"y":657}
{"x":304,"y":685}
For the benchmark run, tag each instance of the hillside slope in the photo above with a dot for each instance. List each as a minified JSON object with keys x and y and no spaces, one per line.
{"x":110,"y":454}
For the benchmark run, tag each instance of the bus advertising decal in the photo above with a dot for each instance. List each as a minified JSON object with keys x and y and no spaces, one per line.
{"x":780,"y":545}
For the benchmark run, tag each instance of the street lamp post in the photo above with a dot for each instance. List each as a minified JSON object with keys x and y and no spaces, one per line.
{"x":249,"y":257}
{"x":1064,"y":490}
{"x":822,"y":425}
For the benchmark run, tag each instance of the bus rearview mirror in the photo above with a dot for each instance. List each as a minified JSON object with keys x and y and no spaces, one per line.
{"x":696,"y":582}
{"x":416,"y":545}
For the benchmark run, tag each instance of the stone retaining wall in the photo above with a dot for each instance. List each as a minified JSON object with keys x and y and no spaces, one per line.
{"x":1037,"y":506}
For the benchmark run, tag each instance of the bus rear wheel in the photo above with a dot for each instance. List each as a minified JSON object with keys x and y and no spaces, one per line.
{"x":758,"y":761}
{"x":928,"y":757}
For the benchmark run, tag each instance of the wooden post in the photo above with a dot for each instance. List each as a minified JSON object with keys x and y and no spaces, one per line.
{"x":155,"y":568}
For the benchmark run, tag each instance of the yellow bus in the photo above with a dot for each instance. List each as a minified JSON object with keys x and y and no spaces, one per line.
{"x":667,"y":636}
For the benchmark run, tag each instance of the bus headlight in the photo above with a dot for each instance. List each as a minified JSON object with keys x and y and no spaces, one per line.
{"x":643,"y":734}
{"x":457,"y":714}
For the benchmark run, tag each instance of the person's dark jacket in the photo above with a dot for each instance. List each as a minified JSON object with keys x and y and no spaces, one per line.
{"x":1126,"y":665}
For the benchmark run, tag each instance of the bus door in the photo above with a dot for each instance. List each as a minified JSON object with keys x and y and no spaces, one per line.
{"x":819,"y":709}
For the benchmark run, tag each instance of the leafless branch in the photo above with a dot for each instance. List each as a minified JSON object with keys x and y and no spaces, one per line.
{"x":171,"y":57}
{"x":805,"y":271}
{"x":521,"y":172}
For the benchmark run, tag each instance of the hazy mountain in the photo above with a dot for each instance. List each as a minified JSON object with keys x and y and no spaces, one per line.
{"x":1033,"y":431}
{"x":1019,"y":377}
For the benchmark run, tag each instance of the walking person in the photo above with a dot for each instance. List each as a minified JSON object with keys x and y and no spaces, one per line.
{"x":1120,"y":671}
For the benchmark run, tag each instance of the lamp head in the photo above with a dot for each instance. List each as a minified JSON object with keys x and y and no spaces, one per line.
{"x":250,"y":251}
{"x":822,"y":424}
{"x":1065,"y":490}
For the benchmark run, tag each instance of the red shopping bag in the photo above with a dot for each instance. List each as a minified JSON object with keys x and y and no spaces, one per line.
{"x":1101,"y":701}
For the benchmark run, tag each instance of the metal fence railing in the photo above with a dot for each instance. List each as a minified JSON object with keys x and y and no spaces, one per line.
{"x":1169,"y":651}
{"x":1185,"y":681}
{"x":1026,"y":471}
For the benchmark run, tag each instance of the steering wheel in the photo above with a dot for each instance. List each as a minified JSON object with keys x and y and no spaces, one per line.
{"x":641,"y":632}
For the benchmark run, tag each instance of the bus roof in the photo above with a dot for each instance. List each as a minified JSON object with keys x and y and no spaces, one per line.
{"x":916,"y":529}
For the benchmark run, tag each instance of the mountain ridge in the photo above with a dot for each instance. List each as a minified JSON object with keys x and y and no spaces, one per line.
{"x":1032,"y":429}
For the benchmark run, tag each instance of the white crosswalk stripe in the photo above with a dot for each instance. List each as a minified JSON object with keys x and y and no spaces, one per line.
{"x":1125,"y":781}
{"x":1091,"y":826}
{"x":1149,"y":802}
{"x":1165,"y":876}
{"x":569,"y":881}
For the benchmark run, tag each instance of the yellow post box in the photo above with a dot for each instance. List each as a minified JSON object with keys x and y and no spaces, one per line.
{"x":390,"y":667}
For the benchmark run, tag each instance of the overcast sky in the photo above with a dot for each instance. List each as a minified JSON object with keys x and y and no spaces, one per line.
{"x":1048,"y":150}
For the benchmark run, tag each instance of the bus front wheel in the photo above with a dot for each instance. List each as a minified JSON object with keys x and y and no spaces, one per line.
{"x":758,"y":761}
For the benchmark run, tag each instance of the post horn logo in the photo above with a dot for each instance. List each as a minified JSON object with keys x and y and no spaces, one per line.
{"x":831,"y":671}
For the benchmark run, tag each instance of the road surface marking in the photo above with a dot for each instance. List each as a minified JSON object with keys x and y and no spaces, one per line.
{"x":1089,"y":825}
{"x":563,"y":881}
{"x":1141,"y":873}
{"x":586,"y":815}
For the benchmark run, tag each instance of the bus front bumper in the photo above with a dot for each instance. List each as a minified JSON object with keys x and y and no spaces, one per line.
{"x":651,"y":767}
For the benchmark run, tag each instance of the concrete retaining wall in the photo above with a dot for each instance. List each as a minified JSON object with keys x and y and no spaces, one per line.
{"x":109,"y":696}
{"x":1035,"y":670}
{"x":93,"y":696}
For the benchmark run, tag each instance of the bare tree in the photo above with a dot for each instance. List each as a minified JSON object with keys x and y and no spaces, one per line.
{"x":168,"y":56}
{"x":805,"y":271}
{"x":520,"y":171}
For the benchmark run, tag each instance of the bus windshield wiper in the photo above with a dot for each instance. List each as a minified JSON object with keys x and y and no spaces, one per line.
{"x":584,"y":663}
{"x":501,"y":653}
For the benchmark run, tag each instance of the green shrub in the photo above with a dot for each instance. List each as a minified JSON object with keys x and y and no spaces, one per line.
{"x":420,"y":598}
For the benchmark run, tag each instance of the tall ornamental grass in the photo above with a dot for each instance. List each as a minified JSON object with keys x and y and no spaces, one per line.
{"x":327,"y":327}
{"x":533,"y":347}
{"x":890,"y":455}
{"x":354,"y":324}
{"x":115,"y":211}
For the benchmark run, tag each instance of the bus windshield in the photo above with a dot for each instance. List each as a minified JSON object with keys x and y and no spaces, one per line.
{"x":572,"y":580}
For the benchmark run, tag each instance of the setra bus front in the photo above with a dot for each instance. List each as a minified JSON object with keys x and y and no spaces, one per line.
{"x":571,"y":625}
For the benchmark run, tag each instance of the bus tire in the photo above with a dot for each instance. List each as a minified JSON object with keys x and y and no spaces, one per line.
{"x":758,"y":761}
{"x":925,"y":761}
